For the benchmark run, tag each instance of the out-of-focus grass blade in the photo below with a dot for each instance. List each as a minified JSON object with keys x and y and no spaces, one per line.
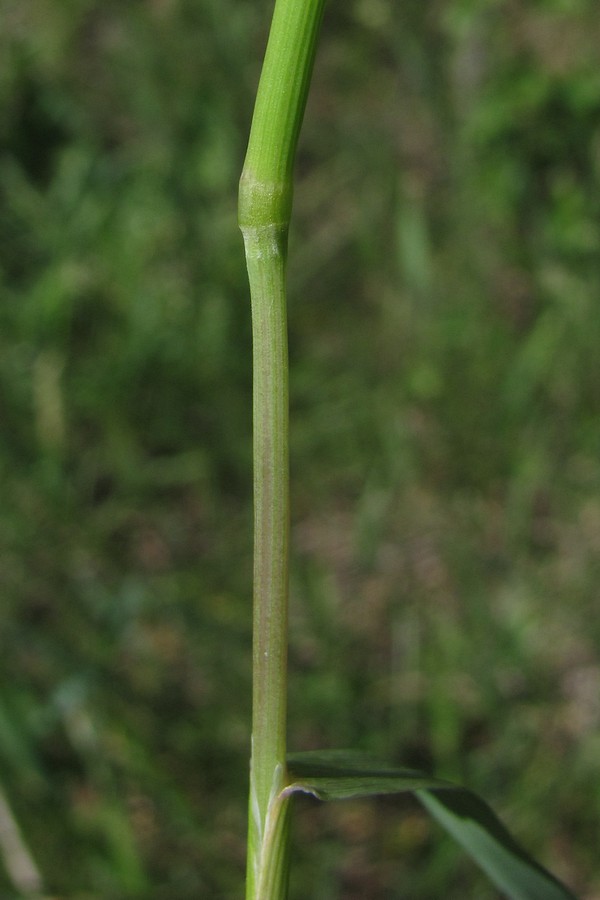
{"x":337,"y":775}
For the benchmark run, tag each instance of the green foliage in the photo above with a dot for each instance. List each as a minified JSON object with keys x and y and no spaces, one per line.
{"x":445,"y":376}
{"x":339,"y":775}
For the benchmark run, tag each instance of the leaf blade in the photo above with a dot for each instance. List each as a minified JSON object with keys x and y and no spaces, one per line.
{"x":473,"y":824}
{"x":344,"y":775}
{"x":337,"y":775}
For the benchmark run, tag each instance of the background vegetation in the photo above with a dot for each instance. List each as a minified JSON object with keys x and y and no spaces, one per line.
{"x":445,"y":337}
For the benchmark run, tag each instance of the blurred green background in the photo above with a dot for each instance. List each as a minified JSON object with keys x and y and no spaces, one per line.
{"x":445,"y":385}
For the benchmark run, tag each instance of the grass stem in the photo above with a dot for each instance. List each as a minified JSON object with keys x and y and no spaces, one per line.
{"x":265,"y":203}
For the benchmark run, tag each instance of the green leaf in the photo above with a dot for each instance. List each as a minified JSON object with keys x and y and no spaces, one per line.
{"x":472,"y":823}
{"x":342,"y":774}
{"x":337,"y":775}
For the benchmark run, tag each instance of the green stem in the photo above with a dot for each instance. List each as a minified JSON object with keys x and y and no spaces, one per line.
{"x":271,"y":528}
{"x":265,"y":204}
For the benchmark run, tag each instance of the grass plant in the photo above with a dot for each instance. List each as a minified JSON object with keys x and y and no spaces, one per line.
{"x":445,"y":494}
{"x":265,"y":205}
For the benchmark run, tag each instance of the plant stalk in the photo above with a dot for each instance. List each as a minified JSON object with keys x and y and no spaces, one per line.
{"x":265,"y":203}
